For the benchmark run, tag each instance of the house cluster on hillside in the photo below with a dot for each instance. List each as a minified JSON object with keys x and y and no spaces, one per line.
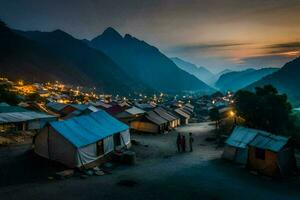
{"x":268,"y":154}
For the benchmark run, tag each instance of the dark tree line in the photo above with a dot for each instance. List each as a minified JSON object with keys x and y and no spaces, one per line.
{"x":264,"y":109}
{"x":7,"y":96}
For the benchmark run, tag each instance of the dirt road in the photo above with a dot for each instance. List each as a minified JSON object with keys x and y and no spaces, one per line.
{"x":162,"y":173}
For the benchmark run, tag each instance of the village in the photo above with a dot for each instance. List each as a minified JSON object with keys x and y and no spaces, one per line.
{"x":69,"y":142}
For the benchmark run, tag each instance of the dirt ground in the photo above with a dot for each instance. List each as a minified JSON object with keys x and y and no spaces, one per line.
{"x":160,"y":173}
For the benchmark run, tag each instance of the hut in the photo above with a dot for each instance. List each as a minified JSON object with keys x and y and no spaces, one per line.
{"x":130,"y":114}
{"x":150,"y":123}
{"x":172,"y":121}
{"x":14,"y":118}
{"x":83,"y":141}
{"x":184,"y":117}
{"x":271,"y":155}
{"x":236,"y":146}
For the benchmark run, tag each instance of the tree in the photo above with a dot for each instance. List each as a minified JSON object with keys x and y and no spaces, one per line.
{"x":7,"y":96}
{"x":34,"y":97}
{"x":215,"y":116}
{"x":265,"y":109}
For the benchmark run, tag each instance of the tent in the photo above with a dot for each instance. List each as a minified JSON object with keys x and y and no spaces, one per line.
{"x":82,"y":141}
{"x":236,"y":146}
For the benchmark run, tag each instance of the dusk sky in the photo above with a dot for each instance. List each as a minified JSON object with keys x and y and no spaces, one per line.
{"x":217,"y":34}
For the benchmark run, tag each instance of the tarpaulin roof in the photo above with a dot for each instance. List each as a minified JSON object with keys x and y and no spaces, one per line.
{"x":88,"y":129}
{"x":164,"y":114}
{"x":270,"y":142}
{"x":155,"y":118}
{"x":135,"y":111}
{"x":242,"y":136}
{"x":22,"y":116}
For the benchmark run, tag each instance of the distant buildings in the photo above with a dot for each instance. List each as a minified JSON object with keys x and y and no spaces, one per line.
{"x":14,"y":118}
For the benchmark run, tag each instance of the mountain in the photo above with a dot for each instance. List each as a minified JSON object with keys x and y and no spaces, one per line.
{"x":200,"y":72}
{"x":286,"y":80}
{"x":21,"y":58}
{"x":146,"y":63}
{"x":47,"y":56}
{"x":219,"y":74}
{"x":239,"y":79}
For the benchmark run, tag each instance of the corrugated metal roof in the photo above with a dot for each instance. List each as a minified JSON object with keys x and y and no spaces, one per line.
{"x":22,"y":116}
{"x":4,"y":104}
{"x":88,"y":129}
{"x":56,"y":106}
{"x":182,"y":113}
{"x":242,"y":136}
{"x":190,"y":106}
{"x":10,"y":109}
{"x":164,"y":114}
{"x":269,"y":142}
{"x":135,"y":111}
{"x":155,"y":118}
{"x":101,"y":104}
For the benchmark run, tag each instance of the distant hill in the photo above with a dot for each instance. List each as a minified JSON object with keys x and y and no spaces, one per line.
{"x":225,"y":71}
{"x":200,"y":72}
{"x":48,"y":56}
{"x":286,"y":80}
{"x":239,"y":79}
{"x":21,"y":58}
{"x":146,"y":63}
{"x":104,"y":73}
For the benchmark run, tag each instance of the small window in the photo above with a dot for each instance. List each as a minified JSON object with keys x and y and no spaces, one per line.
{"x":100,"y":148}
{"x":260,"y":153}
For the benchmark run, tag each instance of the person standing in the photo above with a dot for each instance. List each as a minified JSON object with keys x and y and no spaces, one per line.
{"x":178,"y":142}
{"x":183,"y":143}
{"x":191,"y":140}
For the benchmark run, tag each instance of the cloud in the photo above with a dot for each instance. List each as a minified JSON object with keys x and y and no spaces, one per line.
{"x":265,"y":61}
{"x":203,"y":47}
{"x":285,"y":49}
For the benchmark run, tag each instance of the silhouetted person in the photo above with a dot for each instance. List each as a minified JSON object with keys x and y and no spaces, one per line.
{"x":178,"y":142}
{"x":191,"y":140}
{"x":183,"y":143}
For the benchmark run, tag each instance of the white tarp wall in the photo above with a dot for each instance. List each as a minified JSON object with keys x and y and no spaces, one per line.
{"x":125,"y":138}
{"x":87,"y":154}
{"x":108,"y":144}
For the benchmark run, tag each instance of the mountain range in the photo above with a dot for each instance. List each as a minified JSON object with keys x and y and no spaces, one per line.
{"x":146,"y":63}
{"x":236,"y":80}
{"x":200,"y":72}
{"x":47,"y":56}
{"x":286,"y":80}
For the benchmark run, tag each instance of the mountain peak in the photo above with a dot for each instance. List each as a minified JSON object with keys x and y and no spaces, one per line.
{"x":111,"y":32}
